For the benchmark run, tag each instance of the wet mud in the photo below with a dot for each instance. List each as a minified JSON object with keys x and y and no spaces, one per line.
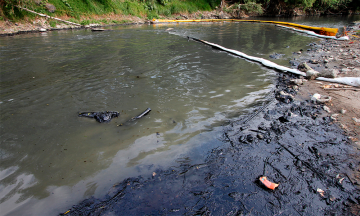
{"x":290,"y":141}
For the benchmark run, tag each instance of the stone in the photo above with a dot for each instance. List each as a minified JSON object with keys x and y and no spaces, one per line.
{"x":329,"y":73}
{"x":276,"y":55}
{"x":297,"y":81}
{"x":38,"y":2}
{"x":50,"y":7}
{"x":294,"y":63}
{"x":42,"y":30}
{"x":285,"y":97}
{"x":327,"y":109}
{"x":342,"y":111}
{"x":313,"y":61}
{"x":320,"y":98}
{"x":356,"y":120}
{"x":345,"y":70}
{"x":304,"y":67}
{"x":312,"y":74}
{"x":334,"y":117}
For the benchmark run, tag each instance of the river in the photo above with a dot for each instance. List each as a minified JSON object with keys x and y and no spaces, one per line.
{"x":51,"y":159}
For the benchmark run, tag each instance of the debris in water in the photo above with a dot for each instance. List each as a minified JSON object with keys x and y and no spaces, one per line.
{"x":100,"y":116}
{"x":268,"y":183}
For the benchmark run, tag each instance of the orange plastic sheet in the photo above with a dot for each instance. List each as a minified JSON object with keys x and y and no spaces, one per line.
{"x":319,"y":30}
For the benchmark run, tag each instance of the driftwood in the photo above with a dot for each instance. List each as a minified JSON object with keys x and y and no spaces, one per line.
{"x":50,"y":17}
{"x":136,"y":117}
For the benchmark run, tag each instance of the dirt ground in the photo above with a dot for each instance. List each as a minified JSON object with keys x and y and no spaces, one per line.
{"x":344,"y":57}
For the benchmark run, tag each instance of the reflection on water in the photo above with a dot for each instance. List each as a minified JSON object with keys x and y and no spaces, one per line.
{"x":51,"y":159}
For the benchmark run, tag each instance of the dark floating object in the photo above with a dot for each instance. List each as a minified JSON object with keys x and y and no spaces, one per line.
{"x":100,"y":29}
{"x":136,"y":117}
{"x":100,"y":116}
{"x":142,"y":114}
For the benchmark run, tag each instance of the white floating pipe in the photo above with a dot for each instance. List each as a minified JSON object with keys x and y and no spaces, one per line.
{"x":264,"y":62}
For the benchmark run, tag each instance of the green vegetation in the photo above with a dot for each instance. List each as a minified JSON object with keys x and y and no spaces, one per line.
{"x":78,"y":9}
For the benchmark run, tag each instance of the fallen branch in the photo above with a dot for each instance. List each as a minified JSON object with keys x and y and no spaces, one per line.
{"x":50,"y":17}
{"x":184,"y":16}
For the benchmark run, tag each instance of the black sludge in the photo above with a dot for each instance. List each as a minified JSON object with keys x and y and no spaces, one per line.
{"x":100,"y":116}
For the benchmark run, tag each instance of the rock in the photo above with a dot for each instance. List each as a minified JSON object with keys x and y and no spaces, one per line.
{"x":42,"y":30}
{"x":342,"y":111}
{"x":312,"y":74}
{"x":315,"y":97}
{"x":326,"y":61}
{"x":320,"y":98}
{"x":276,"y":55}
{"x":334,"y":117}
{"x":304,"y":67}
{"x":260,"y":136}
{"x":297,"y":81}
{"x":329,"y":73}
{"x":294,"y":63}
{"x":284,"y":97}
{"x":50,"y":7}
{"x":38,"y":2}
{"x":313,"y":61}
{"x":356,"y":120}
{"x":327,"y":109}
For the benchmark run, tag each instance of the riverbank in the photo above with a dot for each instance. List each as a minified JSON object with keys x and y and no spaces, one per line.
{"x":338,"y":59}
{"x":41,"y":24}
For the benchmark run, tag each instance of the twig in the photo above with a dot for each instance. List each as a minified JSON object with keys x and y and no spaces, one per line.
{"x":47,"y":16}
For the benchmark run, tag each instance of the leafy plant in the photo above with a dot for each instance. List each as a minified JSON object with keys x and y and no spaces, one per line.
{"x":52,"y":23}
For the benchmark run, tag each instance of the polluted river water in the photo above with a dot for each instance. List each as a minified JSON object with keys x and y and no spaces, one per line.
{"x":52,"y":159}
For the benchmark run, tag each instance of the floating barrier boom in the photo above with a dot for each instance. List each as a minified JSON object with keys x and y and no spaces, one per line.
{"x":319,"y":31}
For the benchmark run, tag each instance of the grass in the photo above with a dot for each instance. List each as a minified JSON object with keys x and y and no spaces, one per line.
{"x":80,"y":8}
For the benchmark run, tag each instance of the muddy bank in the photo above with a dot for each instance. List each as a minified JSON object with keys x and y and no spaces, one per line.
{"x":290,"y":140}
{"x":337,"y":59}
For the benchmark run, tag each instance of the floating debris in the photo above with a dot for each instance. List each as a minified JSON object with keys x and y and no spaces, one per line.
{"x":100,"y":116}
